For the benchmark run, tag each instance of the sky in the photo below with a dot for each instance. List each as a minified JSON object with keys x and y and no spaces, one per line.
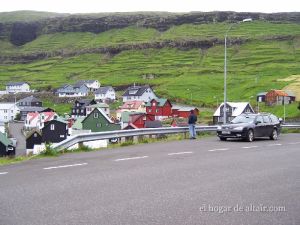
{"x":93,"y":6}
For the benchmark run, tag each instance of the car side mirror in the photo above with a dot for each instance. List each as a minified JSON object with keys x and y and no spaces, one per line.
{"x":280,"y":120}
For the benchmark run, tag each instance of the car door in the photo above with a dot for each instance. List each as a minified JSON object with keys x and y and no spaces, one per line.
{"x":259,"y":126}
{"x":268,"y":126}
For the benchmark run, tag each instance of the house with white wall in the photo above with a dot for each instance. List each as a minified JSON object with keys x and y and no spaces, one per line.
{"x":140,"y":93}
{"x":8,"y":111}
{"x":17,"y":87}
{"x":72,"y":91}
{"x":36,"y":120}
{"x":92,"y":85}
{"x":105,"y":93}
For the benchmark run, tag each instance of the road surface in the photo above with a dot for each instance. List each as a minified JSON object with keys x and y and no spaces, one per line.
{"x":203,"y":181}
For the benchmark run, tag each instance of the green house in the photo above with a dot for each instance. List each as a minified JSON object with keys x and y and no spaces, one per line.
{"x":98,"y":121}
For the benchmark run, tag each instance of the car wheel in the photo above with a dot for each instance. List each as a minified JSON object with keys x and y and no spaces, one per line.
{"x":274,"y":135}
{"x":250,"y":136}
{"x":223,"y":138}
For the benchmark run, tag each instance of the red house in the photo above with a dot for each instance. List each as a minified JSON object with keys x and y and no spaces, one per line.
{"x":183,"y":112}
{"x":139,"y":119}
{"x":160,"y":108}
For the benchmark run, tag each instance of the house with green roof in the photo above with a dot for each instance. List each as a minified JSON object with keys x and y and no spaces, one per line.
{"x":6,"y":146}
{"x":98,"y":121}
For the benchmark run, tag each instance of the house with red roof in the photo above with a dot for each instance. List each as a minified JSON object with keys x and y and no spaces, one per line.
{"x":36,"y":120}
{"x":160,"y":107}
{"x":278,"y":97}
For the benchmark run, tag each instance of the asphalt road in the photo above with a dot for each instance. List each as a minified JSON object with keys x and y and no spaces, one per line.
{"x":15,"y":130}
{"x":203,"y":181}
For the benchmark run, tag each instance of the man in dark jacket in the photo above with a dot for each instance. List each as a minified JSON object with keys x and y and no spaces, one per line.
{"x":192,"y":121}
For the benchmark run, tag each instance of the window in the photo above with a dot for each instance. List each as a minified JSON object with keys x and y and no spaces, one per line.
{"x":35,"y":135}
{"x":153,"y":104}
{"x":52,"y":126}
{"x":62,"y":136}
{"x":96,"y":115}
{"x":266,"y":119}
{"x":259,"y":119}
{"x":5,"y":110}
{"x":150,"y":110}
{"x":82,"y":111}
{"x":98,"y":125}
{"x":157,"y":110}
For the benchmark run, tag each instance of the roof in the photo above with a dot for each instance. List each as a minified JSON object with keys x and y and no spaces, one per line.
{"x":183,"y":108}
{"x":32,"y":109}
{"x":4,"y":140}
{"x":238,"y":108}
{"x":103,"y":90}
{"x":103,"y":114}
{"x":7,"y":105}
{"x":136,"y":90}
{"x":16,"y":83}
{"x":85,"y":101}
{"x":160,"y":101}
{"x":279,"y":92}
{"x":132,"y":104}
{"x":29,"y":99}
{"x":261,"y":93}
{"x":78,"y":123}
{"x":98,"y":105}
{"x":67,"y":88}
{"x":81,"y":82}
{"x":153,"y":124}
{"x":32,"y":132}
{"x":125,"y":116}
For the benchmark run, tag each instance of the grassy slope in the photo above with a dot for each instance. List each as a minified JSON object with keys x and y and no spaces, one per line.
{"x":252,"y":67}
{"x":25,"y":15}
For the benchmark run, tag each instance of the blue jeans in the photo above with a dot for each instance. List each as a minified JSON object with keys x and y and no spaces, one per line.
{"x":192,"y":130}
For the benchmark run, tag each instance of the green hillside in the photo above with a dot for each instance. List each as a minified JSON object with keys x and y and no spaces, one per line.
{"x":267,"y":52}
{"x":26,"y":15}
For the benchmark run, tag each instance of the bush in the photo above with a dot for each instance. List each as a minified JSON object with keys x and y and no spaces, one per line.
{"x":127,"y":143}
{"x":49,"y":151}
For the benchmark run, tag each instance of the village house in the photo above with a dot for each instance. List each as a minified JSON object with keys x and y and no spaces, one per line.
{"x":54,"y":131}
{"x":17,"y":87}
{"x":183,"y":111}
{"x":98,"y":121}
{"x":79,"y":108}
{"x":140,"y":93}
{"x":233,"y":110}
{"x":8,"y":111}
{"x":36,"y":120}
{"x":131,"y":106}
{"x":103,"y":106}
{"x":139,"y":120}
{"x":25,"y":110}
{"x":279,"y":97}
{"x":2,"y":127}
{"x":33,"y":139}
{"x":68,"y":90}
{"x":92,"y":85}
{"x":6,"y":146}
{"x":105,"y":94}
{"x":161,"y":108}
{"x":30,"y":101}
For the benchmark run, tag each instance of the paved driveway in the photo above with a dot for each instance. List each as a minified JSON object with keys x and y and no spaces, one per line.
{"x":15,"y":131}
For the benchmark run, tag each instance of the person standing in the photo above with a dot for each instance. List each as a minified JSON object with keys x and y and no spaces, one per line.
{"x":192,"y":121}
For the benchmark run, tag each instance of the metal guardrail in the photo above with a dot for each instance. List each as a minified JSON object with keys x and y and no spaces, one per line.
{"x":136,"y":132}
{"x":125,"y":133}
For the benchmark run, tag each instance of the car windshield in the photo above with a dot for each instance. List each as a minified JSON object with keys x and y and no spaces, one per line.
{"x":243,"y":119}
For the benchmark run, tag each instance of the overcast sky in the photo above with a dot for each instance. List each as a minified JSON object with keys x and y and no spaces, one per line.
{"x":91,"y":6}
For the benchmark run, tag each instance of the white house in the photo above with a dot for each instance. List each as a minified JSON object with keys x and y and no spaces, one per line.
{"x":8,"y":111}
{"x":2,"y":127}
{"x":103,"y":106}
{"x":233,"y":109}
{"x":141,"y":93}
{"x":17,"y":87}
{"x":72,"y":91}
{"x":37,"y":120}
{"x":105,"y":93}
{"x":92,"y":85}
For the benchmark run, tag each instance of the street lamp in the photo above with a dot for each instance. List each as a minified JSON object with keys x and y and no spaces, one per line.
{"x":225,"y":68}
{"x":191,"y":95}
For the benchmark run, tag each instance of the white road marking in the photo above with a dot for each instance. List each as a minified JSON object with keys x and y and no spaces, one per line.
{"x":294,"y":143}
{"x":180,"y":153}
{"x":65,"y":166}
{"x":3,"y":173}
{"x":274,"y":145}
{"x":250,"y":147}
{"x":218,"y":149}
{"x":124,"y":159}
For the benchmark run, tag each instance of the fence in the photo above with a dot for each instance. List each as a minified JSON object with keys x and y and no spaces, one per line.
{"x":80,"y":138}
